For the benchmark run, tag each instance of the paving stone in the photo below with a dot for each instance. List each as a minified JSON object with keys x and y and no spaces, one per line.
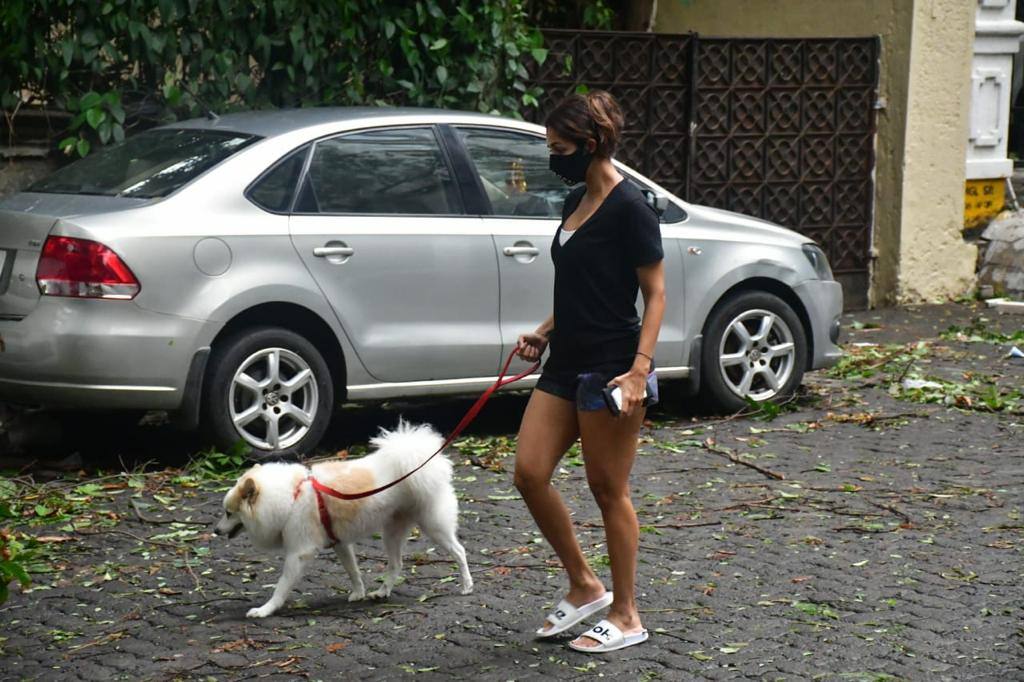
{"x":887,"y":550}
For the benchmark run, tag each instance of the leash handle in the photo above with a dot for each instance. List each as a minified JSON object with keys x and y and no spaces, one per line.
{"x":470,"y":415}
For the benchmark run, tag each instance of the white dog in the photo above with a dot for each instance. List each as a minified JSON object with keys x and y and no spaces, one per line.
{"x":277,"y":506}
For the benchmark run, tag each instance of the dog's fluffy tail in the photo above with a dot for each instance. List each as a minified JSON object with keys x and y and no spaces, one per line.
{"x":409,"y":444}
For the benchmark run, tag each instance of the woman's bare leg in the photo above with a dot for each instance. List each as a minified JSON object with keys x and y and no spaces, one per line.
{"x":609,"y":449}
{"x":549,"y":429}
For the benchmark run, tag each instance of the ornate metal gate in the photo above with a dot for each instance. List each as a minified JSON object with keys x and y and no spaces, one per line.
{"x":782,"y":129}
{"x":650,"y":74}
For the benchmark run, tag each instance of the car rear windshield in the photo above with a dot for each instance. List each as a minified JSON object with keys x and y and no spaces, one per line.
{"x":151,"y":164}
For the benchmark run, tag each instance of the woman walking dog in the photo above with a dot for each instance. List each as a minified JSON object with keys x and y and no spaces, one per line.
{"x":607,"y":248}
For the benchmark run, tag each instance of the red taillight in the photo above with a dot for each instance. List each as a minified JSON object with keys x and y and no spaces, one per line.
{"x":84,"y":269}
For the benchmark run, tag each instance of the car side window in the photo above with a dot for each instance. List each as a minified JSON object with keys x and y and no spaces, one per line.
{"x":274,"y":189}
{"x":389,"y":171}
{"x":513,"y":169}
{"x":672,"y":214}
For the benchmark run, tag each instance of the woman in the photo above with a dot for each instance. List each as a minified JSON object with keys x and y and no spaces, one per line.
{"x":608,"y":246}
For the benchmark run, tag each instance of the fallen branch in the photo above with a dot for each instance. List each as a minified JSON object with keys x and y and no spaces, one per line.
{"x":710,"y":446}
{"x":746,"y":503}
{"x":159,"y":522}
{"x":188,"y":565}
{"x":118,"y":531}
{"x":859,"y":529}
{"x":894,"y":510}
{"x":200,"y":603}
{"x":591,"y":524}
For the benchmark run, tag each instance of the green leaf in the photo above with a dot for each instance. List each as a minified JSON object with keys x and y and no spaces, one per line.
{"x":15,"y":570}
{"x":95,"y":117}
{"x":82,"y":147}
{"x":389,"y":29}
{"x":89,"y":100}
{"x":442,"y":74}
{"x":439,"y":44}
{"x":67,"y":50}
{"x":540,"y":54}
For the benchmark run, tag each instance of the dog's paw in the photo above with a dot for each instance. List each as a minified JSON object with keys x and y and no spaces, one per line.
{"x":383,"y":592}
{"x":261,"y":612}
{"x":467,"y":588}
{"x":357,"y":596}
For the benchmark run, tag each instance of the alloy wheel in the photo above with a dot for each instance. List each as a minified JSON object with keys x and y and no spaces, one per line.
{"x":756,"y":354}
{"x":273,"y":399}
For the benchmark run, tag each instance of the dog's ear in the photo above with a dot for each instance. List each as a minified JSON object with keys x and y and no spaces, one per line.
{"x":249,"y":491}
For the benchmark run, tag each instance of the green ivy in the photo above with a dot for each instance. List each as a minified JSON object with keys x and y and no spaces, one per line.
{"x":119,"y":64}
{"x":589,"y":14}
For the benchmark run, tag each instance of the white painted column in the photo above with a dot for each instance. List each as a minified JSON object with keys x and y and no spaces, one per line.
{"x":996,"y":40}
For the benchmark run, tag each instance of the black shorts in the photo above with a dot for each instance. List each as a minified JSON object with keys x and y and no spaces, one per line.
{"x":584,"y":386}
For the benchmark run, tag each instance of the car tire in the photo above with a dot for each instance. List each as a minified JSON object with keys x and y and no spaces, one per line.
{"x":762,"y":364}
{"x":268,"y":388}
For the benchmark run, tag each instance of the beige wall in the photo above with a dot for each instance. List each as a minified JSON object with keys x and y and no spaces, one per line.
{"x":913,"y":33}
{"x":935,"y":262}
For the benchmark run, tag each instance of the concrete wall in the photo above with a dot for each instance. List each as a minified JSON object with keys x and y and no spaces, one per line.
{"x":914,"y":35}
{"x":935,"y":262}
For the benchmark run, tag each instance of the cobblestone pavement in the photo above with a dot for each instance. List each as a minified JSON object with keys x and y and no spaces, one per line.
{"x":858,"y":535}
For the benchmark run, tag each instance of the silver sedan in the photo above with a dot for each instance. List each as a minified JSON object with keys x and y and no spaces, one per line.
{"x":249,"y":272}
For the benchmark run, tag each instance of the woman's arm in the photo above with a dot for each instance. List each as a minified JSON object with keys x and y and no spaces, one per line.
{"x":632,"y":383}
{"x":531,"y":346}
{"x":546,"y":326}
{"x":652,"y":286}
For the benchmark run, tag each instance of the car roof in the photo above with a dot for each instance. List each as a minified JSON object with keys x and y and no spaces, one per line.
{"x":271,"y":122}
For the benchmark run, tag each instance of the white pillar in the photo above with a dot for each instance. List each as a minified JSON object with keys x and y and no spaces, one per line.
{"x":996,"y":40}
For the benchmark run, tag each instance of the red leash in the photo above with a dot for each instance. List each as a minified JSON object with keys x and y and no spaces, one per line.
{"x":470,"y":415}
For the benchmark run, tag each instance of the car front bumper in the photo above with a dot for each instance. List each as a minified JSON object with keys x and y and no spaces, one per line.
{"x":823,"y":301}
{"x":83,"y":353}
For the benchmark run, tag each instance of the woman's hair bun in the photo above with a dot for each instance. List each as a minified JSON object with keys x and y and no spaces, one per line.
{"x":594,"y":115}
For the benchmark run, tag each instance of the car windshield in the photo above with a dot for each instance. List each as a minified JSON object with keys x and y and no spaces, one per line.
{"x":151,"y":164}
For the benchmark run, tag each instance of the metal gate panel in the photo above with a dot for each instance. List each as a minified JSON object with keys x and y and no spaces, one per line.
{"x":784,"y":130}
{"x":648,"y":73}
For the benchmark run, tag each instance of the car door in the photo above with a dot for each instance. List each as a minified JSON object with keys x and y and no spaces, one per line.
{"x":413,"y":280}
{"x":525,"y":200}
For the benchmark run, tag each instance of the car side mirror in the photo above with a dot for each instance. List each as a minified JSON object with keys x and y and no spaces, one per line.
{"x":659,"y":202}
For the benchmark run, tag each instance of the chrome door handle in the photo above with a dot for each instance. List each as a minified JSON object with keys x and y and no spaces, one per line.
{"x":325,"y":251}
{"x":521,"y":251}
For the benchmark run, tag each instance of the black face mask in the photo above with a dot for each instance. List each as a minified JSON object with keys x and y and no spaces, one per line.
{"x":572,"y":168}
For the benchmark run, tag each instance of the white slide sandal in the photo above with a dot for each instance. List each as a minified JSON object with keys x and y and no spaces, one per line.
{"x":566,"y":615}
{"x":609,"y":638}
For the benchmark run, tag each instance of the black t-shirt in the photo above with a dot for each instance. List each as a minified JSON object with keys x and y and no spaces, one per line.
{"x":596,"y":285}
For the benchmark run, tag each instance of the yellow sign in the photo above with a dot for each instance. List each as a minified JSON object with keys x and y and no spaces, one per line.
{"x":983,"y":199}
